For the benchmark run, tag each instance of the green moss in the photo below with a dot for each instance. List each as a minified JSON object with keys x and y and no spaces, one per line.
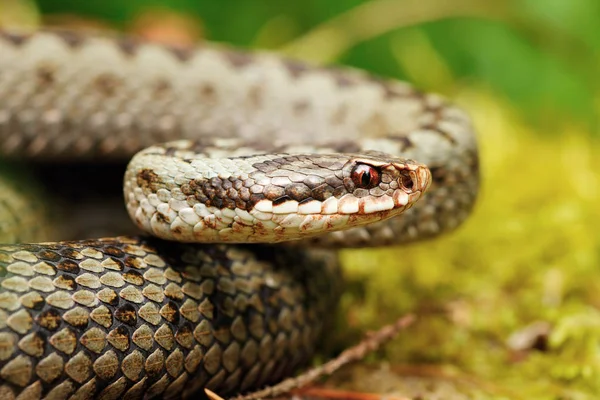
{"x":527,"y":257}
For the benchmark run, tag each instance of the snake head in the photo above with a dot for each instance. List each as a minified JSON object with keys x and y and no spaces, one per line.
{"x":267,"y":197}
{"x":381,"y":184}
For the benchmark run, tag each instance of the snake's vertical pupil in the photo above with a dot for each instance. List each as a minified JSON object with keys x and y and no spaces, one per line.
{"x":365,"y":177}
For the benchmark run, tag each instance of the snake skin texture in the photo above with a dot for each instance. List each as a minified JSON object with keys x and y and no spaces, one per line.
{"x":129,"y":317}
{"x":71,"y":96}
{"x":132,"y":317}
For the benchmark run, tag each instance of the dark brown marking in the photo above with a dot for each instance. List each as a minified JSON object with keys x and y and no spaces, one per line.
{"x":128,"y":45}
{"x":182,"y":53}
{"x":70,"y":253}
{"x":14,"y":38}
{"x":296,"y":68}
{"x":238,"y":59}
{"x":65,"y":282}
{"x":68,"y":266}
{"x":48,"y":255}
{"x":133,"y":277}
{"x":322,"y":192}
{"x":281,"y":200}
{"x":232,"y":194}
{"x":298,"y":191}
{"x":119,"y":264}
{"x":184,"y":335}
{"x":171,"y":151}
{"x":162,"y":218}
{"x":273,"y":192}
{"x":361,"y":193}
{"x":113,"y":251}
{"x":45,"y":76}
{"x":342,"y":80}
{"x":161,"y":87}
{"x":133,"y":262}
{"x":187,"y":189}
{"x":72,"y":38}
{"x":216,"y":202}
{"x":170,"y":312}
{"x":339,"y":191}
{"x":49,"y":319}
{"x":109,"y":297}
{"x":147,"y":179}
{"x":241,"y":204}
{"x":38,"y":305}
{"x":208,"y":93}
{"x":228,"y":203}
{"x":307,"y":200}
{"x":126,"y":314}
{"x":120,"y":336}
{"x":266,"y":167}
{"x":218,"y":192}
{"x":255,"y":198}
{"x":79,"y":322}
{"x":107,"y":84}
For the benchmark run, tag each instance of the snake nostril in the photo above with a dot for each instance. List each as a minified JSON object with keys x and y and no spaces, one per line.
{"x":406,"y":181}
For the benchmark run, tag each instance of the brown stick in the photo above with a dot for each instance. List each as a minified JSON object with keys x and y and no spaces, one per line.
{"x":334,"y":394}
{"x":370,"y":343}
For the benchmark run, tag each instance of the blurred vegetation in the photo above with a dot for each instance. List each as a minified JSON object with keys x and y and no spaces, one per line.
{"x":509,"y":304}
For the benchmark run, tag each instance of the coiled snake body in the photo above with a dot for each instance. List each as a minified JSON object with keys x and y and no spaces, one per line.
{"x":280,"y":151}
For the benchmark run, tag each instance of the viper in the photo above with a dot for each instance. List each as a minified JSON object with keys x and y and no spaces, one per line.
{"x":245,"y":173}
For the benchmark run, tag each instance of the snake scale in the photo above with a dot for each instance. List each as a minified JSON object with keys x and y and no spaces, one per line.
{"x":280,"y":150}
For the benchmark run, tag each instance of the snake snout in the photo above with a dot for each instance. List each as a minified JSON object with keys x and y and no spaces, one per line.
{"x":413,"y":179}
{"x":420,"y":179}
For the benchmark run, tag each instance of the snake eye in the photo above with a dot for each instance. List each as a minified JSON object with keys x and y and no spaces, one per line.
{"x":365,"y":177}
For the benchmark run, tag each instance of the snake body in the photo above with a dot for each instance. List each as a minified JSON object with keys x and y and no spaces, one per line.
{"x":132,"y":316}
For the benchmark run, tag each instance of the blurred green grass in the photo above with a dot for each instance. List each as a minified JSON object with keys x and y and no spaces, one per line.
{"x":527,"y":71}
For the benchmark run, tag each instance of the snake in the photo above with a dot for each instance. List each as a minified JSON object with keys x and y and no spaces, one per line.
{"x":246,"y":171}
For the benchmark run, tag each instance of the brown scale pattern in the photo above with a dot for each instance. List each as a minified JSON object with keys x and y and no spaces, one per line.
{"x":290,"y":177}
{"x":302,"y":178}
{"x":114,"y":319}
